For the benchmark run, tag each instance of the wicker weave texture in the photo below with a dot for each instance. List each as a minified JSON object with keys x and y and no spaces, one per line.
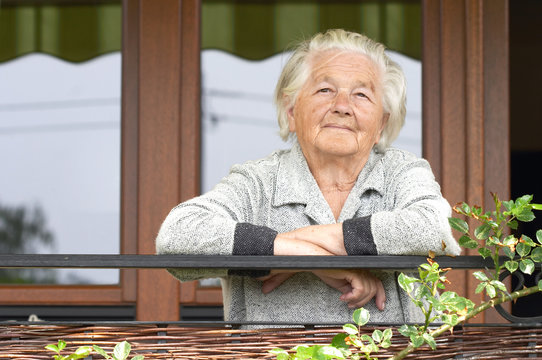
{"x":177,"y":342}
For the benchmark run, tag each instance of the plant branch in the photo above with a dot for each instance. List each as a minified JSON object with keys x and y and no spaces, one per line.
{"x":482,"y":307}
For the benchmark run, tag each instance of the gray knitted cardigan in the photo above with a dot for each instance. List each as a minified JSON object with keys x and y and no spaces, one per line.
{"x":394,"y":208}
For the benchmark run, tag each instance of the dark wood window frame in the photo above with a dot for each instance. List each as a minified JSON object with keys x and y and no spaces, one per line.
{"x":465,"y":133}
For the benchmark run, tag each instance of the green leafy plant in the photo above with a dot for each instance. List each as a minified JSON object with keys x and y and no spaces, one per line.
{"x":424,"y":293}
{"x":120,"y":352}
{"x":492,"y":239}
{"x":340,"y":345}
{"x":80,"y":353}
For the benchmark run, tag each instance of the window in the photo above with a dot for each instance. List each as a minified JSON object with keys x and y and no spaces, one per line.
{"x":60,"y":67}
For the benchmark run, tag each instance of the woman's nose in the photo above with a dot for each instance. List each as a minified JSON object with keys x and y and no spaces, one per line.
{"x":341,"y":104}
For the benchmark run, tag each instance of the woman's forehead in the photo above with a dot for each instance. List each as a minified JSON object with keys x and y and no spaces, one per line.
{"x":325,"y":63}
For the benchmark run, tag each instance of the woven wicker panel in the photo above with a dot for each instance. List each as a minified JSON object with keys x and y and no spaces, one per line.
{"x":176,"y":342}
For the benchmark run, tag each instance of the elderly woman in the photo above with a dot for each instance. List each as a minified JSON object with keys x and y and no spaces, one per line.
{"x":339,"y":190}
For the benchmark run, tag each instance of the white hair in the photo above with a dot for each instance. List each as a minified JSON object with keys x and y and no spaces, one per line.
{"x":297,"y":71}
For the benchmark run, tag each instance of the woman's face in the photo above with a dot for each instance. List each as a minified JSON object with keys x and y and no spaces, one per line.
{"x":339,"y":111}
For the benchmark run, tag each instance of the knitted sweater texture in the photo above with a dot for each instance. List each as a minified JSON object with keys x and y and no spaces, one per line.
{"x":395,"y":208}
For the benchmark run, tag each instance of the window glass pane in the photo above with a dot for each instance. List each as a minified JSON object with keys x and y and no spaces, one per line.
{"x":251,"y":38}
{"x":60,"y":69}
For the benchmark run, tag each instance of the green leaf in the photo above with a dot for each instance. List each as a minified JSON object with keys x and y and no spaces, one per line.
{"x":122,"y":350}
{"x":331,"y":352}
{"x":52,"y":347}
{"x":539,"y":236}
{"x":377,"y":335}
{"x":387,"y":334}
{"x":350,"y":329}
{"x":459,"y":225}
{"x":523,"y":249}
{"x":448,"y":296}
{"x":100,"y":351}
{"x":526,"y":215}
{"x":417,"y":340}
{"x":426,"y":267}
{"x":406,"y":282}
{"x":451,"y":320}
{"x":513,"y":224}
{"x":465,"y":208}
{"x":511,"y":254}
{"x":430,"y":341}
{"x":540,"y":285}
{"x":509,"y":205}
{"x":511,"y":265}
{"x":499,"y":285}
{"x":305,"y":352}
{"x":141,"y":357}
{"x":526,"y":266}
{"x":524,"y":200}
{"x":480,"y":276}
{"x":484,"y":252}
{"x":480,"y":288}
{"x":490,"y":290}
{"x":81,"y":352}
{"x":536,"y":254}
{"x":528,"y":240}
{"x":510,"y":240}
{"x":361,"y":316}
{"x":339,"y":341}
{"x":482,"y":231}
{"x":467,"y":242}
{"x":492,"y":240}
{"x":536,"y":206}
{"x":407,"y":330}
{"x":385,"y":344}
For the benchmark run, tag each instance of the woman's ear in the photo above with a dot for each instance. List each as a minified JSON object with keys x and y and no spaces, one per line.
{"x":385,"y":118}
{"x":290,"y":114}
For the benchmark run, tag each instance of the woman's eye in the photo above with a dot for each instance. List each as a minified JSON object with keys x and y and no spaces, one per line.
{"x":324,"y":90}
{"x":360,"y":94}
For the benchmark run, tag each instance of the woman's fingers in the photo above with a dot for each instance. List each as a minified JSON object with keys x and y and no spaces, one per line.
{"x":275,"y":281}
{"x":365,"y":287}
{"x":380,"y":298}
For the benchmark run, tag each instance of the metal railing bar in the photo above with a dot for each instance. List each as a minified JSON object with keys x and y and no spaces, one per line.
{"x":108,"y":261}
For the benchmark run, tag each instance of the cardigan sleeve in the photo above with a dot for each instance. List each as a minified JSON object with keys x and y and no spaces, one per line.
{"x":220,"y":222}
{"x":415,"y":221}
{"x":418,"y":222}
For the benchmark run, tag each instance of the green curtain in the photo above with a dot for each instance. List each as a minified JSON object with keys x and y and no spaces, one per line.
{"x":71,"y":32}
{"x":258,"y":29}
{"x":253,"y":29}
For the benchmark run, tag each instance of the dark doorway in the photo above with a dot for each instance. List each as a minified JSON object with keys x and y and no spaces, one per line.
{"x":526,"y":122}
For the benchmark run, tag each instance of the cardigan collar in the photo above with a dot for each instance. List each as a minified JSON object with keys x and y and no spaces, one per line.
{"x":295,"y":184}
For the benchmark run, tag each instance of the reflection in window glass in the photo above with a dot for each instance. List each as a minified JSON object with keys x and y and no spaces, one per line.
{"x":60,"y":137}
{"x":250,"y":39}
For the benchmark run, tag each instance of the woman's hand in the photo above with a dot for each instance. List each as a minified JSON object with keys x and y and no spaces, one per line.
{"x":312,"y":240}
{"x":275,"y":279}
{"x":358,"y":287}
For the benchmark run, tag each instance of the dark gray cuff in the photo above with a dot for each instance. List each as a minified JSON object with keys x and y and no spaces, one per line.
{"x":358,"y":238}
{"x":252,"y":239}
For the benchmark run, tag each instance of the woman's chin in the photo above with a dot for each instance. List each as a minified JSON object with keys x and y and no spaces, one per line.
{"x":339,"y":149}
